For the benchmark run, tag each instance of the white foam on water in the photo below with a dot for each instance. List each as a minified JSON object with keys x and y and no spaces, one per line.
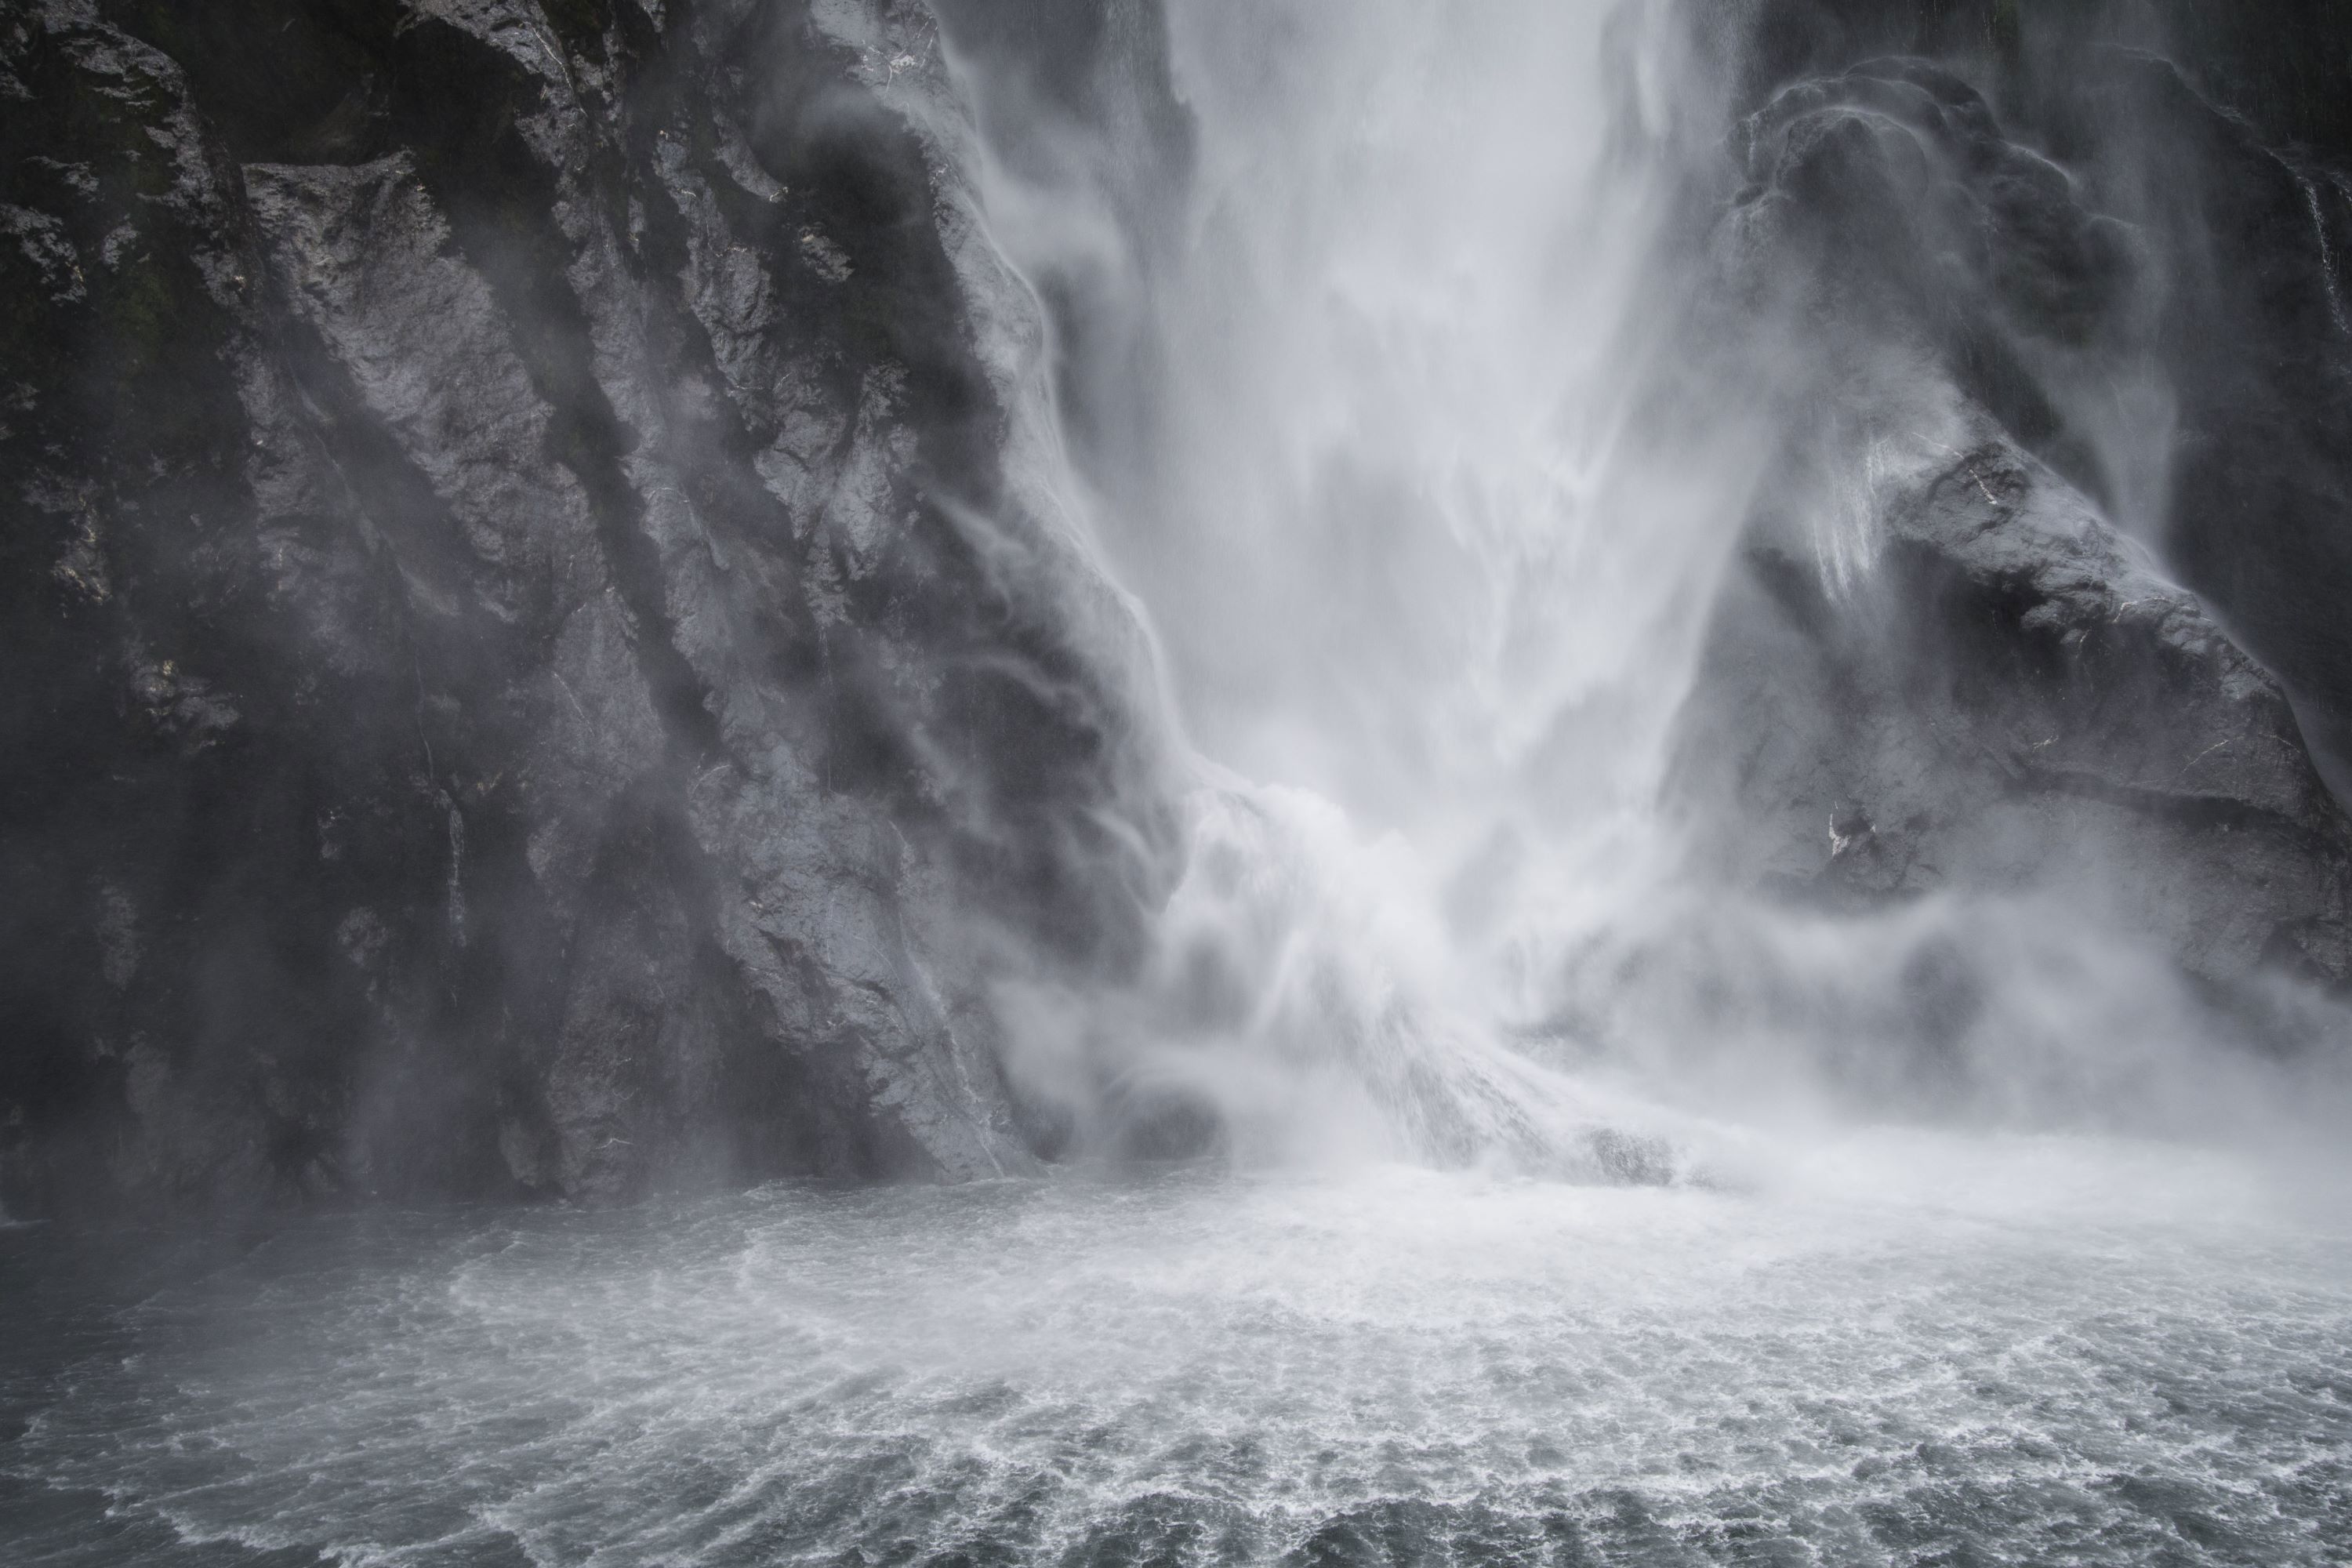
{"x":1890,"y":1337}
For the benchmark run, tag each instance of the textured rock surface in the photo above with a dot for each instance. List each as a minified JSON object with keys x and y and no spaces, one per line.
{"x":2009,"y":696}
{"x":2212,"y":137}
{"x":534,"y":663}
{"x":2250,"y":320}
{"x":1934,"y":664}
{"x":2283,"y":66}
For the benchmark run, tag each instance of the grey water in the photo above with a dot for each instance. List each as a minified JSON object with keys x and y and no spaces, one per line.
{"x":1879,"y":1347}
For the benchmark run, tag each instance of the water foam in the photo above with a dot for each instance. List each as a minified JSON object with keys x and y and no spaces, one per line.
{"x":1892,"y":1345}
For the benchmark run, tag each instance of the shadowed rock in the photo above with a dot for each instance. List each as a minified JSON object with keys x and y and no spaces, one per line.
{"x":536,"y":667}
{"x":1934,"y":665}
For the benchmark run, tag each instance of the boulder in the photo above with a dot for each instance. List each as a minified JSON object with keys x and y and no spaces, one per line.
{"x":1935,"y":663}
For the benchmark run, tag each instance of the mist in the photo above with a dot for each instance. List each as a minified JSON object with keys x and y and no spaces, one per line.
{"x":1435,"y":379}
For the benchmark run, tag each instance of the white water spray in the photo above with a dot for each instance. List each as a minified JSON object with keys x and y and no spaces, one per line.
{"x":1390,"y":399}
{"x":1424,"y":535}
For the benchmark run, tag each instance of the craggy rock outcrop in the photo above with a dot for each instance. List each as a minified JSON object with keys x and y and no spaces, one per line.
{"x":2009,"y":696}
{"x":2281,"y":66}
{"x":1934,"y":664}
{"x":2213,"y":138}
{"x":2250,"y":320}
{"x":537,"y":663}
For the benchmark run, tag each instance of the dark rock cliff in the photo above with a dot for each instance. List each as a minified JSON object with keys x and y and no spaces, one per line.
{"x":535,"y":664}
{"x":1936,"y":664}
{"x":2211,"y":138}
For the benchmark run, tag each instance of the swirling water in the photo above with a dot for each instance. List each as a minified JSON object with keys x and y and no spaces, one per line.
{"x":1890,"y":1348}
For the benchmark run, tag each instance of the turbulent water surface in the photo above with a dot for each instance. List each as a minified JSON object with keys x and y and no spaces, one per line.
{"x":1913,"y":1349}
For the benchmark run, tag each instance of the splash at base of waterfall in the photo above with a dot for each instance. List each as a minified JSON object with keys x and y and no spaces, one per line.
{"x":1888,"y":1348}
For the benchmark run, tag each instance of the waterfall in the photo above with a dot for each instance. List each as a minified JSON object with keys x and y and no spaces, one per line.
{"x":1422,"y":372}
{"x":1420,"y":501}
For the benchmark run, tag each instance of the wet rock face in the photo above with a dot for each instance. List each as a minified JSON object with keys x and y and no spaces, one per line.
{"x":2181,"y":279}
{"x":535,"y":664}
{"x":2012,"y":698}
{"x":1934,"y":664}
{"x":2251,"y":316}
{"x":1885,"y":206}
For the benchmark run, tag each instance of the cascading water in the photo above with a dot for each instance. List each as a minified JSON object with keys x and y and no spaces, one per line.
{"x":1420,"y":395}
{"x":1422,"y":500}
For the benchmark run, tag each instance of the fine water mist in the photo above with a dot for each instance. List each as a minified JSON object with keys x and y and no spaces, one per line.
{"x":1374,"y":359}
{"x":1420,"y":372}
